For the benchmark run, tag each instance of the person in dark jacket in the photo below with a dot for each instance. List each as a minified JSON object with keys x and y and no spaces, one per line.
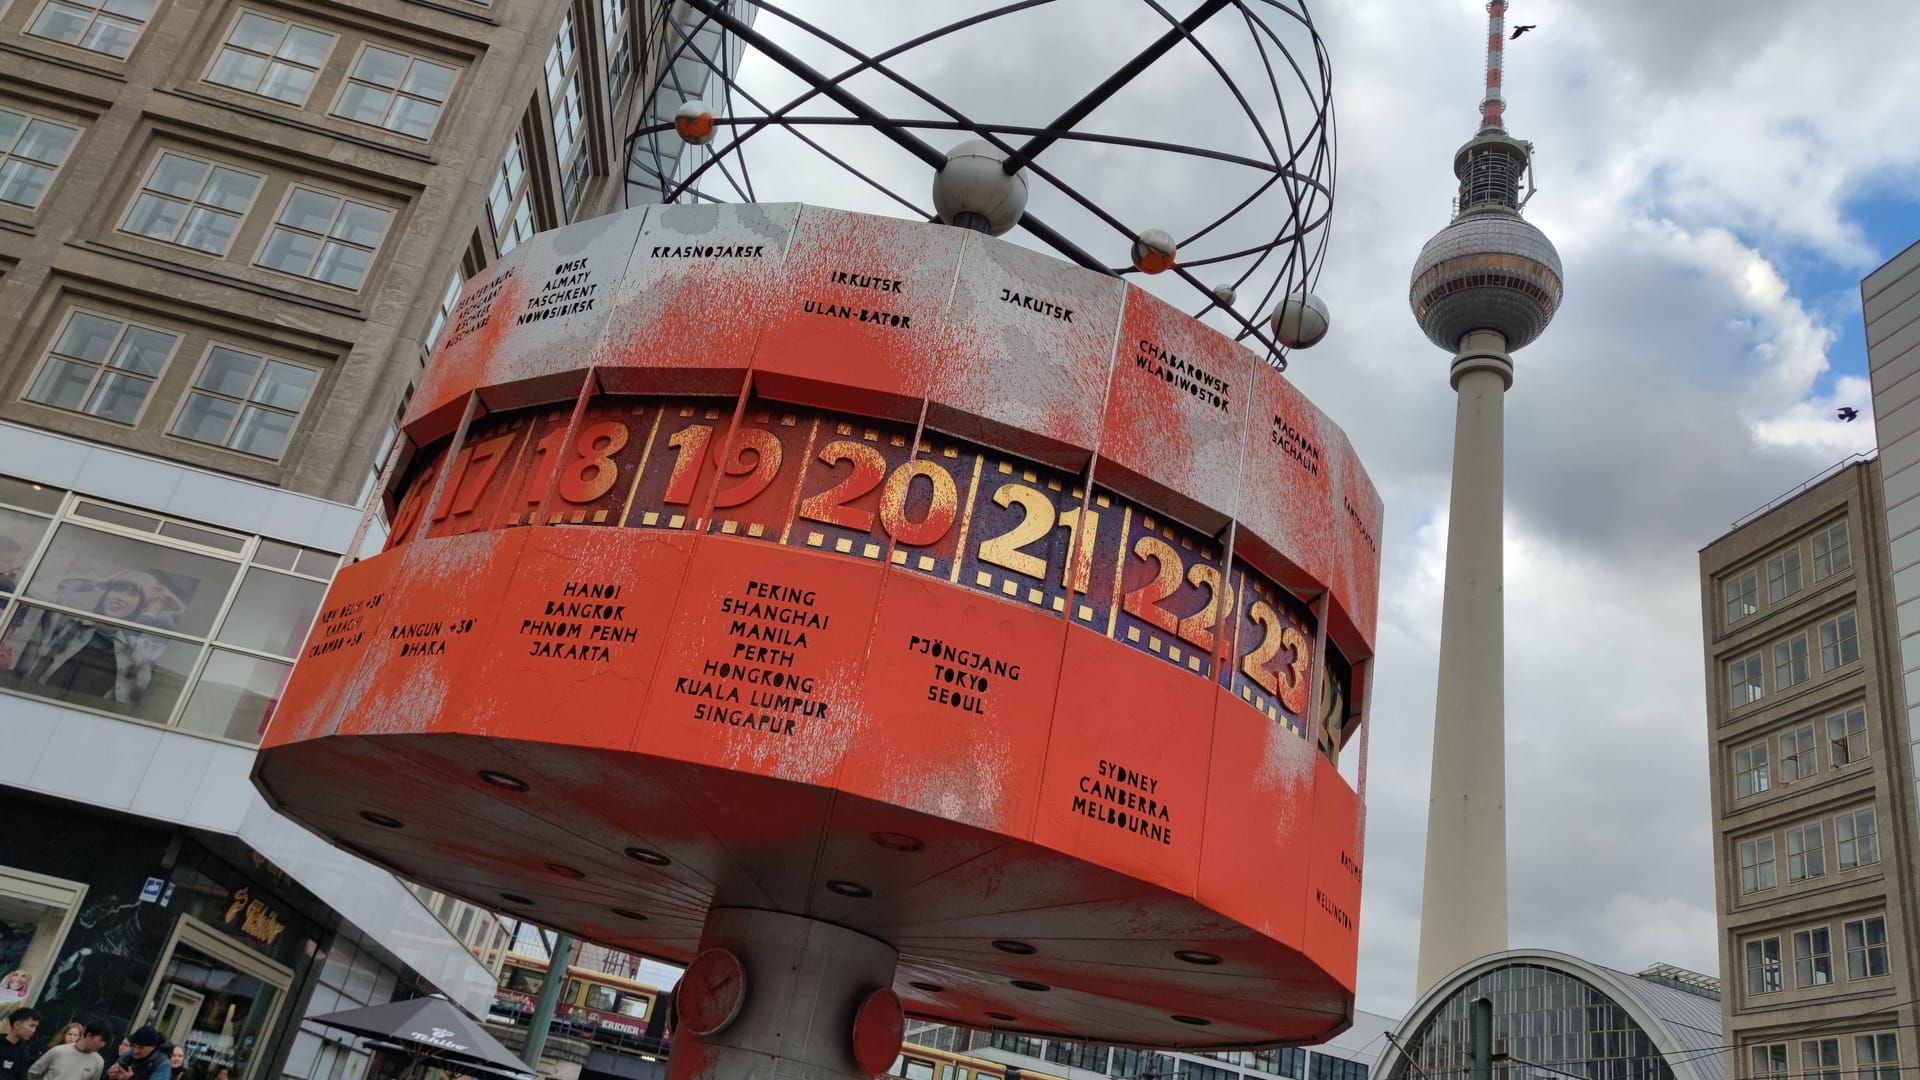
{"x":147,"y":1060}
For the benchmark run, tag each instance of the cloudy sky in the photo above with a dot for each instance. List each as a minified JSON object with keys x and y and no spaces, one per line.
{"x":1717,"y":175}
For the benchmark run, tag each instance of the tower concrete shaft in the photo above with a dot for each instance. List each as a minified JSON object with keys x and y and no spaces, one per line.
{"x":1463,"y":910}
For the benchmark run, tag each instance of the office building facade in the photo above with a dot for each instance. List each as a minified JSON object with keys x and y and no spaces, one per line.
{"x":230,"y":233}
{"x":1811,"y":785}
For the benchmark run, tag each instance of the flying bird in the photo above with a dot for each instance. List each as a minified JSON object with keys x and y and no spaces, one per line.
{"x":1518,"y":30}
{"x":1848,"y":414}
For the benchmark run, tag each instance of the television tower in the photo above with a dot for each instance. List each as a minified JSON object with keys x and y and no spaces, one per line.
{"x":1484,"y":286}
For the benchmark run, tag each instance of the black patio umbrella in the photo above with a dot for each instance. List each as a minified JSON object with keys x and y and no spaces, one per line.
{"x":431,"y":1029}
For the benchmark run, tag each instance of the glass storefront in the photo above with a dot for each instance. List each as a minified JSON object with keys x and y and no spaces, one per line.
{"x":139,"y":615}
{"x":35,"y":913}
{"x":216,"y":1000}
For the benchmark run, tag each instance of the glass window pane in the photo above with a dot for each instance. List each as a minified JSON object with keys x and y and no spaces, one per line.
{"x":209,"y":230}
{"x":361,"y":224}
{"x":87,"y":337}
{"x":289,"y":251}
{"x":228,"y":371}
{"x":229,"y":189}
{"x":205,"y":418}
{"x":118,"y":397}
{"x":364,"y":104}
{"x":413,"y":117}
{"x":275,"y":553}
{"x":86,"y":662}
{"x":380,"y":67}
{"x":178,"y":176}
{"x":284,"y":386}
{"x":143,"y":350}
{"x":320,"y":564}
{"x":155,"y":217}
{"x":181,"y":591}
{"x":237,"y":69}
{"x":23,"y":182}
{"x":45,"y":142}
{"x":60,"y":22}
{"x":257,"y":32}
{"x":115,"y":37}
{"x":285,"y":82}
{"x":30,"y":496}
{"x":262,"y":432}
{"x":132,"y":9}
{"x":231,"y":697}
{"x":309,"y":210}
{"x":428,"y":80}
{"x":10,"y":124}
{"x":203,"y":537}
{"x":19,"y":535}
{"x":305,"y":46}
{"x":341,"y":265}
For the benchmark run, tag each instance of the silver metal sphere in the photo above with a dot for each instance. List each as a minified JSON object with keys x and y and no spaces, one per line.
{"x":1154,"y":252}
{"x":1486,"y":271}
{"x":973,"y":182}
{"x":693,"y":120}
{"x":1226,"y":294}
{"x":1300,"y":322}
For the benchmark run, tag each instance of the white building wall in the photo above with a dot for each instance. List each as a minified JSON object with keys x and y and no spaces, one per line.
{"x":185,"y":779}
{"x":1890,"y":300}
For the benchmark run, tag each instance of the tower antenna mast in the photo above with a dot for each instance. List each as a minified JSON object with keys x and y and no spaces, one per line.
{"x":1493,"y":107}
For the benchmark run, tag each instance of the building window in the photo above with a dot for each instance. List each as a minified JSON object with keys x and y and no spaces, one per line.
{"x":613,"y":25}
{"x":1750,"y":771}
{"x":325,"y":237}
{"x":1813,"y":957}
{"x":395,"y":91}
{"x":150,"y":618}
{"x":1830,"y":552}
{"x":1806,"y":853}
{"x":1867,"y":948}
{"x":1328,"y":1067}
{"x":102,"y":367}
{"x":112,"y":27}
{"x":1820,"y":1059}
{"x":1790,"y":665}
{"x":1798,"y":759}
{"x":1783,"y":575}
{"x":1756,"y":865}
{"x":563,"y":95}
{"x":1855,"y":840}
{"x":1763,"y":966}
{"x":32,"y":149}
{"x":1769,"y":1061}
{"x":245,"y":402}
{"x":509,"y":206}
{"x":1742,"y":596}
{"x":271,"y":57}
{"x":1743,"y":678}
{"x":192,"y":203}
{"x":40,"y":913}
{"x":1847,"y":736}
{"x":1839,"y":642}
{"x":445,"y":311}
{"x":1878,"y":1056}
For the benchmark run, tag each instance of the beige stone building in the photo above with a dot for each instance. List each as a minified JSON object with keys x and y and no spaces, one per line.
{"x":230,"y":231}
{"x":1812,"y":788}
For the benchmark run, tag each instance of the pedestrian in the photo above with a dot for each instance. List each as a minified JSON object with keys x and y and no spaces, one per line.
{"x":71,"y":1034}
{"x":149,"y":1058}
{"x":21,"y":1024}
{"x":77,"y":1060}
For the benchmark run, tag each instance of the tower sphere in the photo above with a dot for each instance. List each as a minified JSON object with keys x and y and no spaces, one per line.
{"x":1486,"y":271}
{"x":973,"y":182}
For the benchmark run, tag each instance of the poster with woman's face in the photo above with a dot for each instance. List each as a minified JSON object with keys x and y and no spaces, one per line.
{"x":14,"y":986}
{"x":131,"y":580}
